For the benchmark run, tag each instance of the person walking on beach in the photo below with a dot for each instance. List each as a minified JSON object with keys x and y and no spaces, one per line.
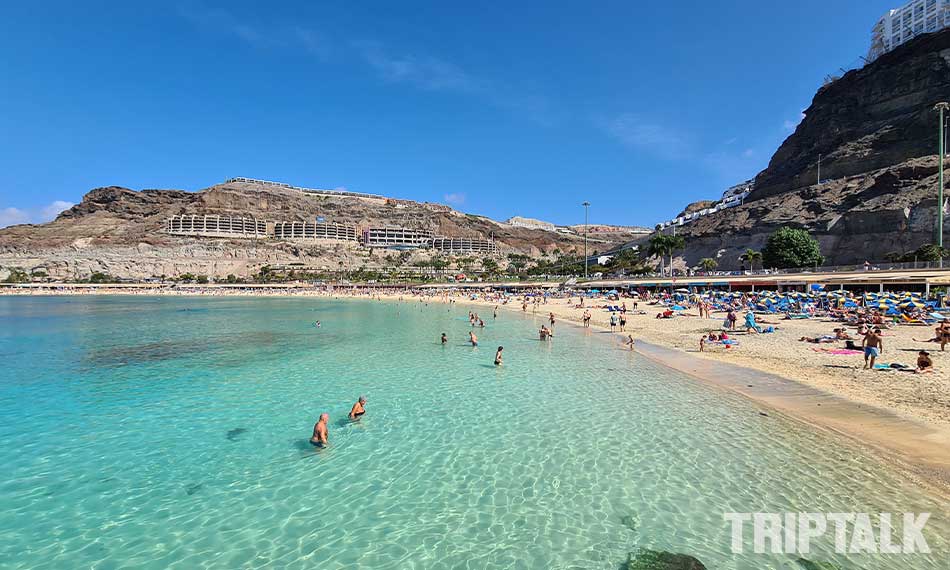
{"x":623,"y":321}
{"x":498,"y":356}
{"x":613,"y":322}
{"x":732,"y":318}
{"x":586,"y":318}
{"x":551,"y":319}
{"x":873,"y":346}
{"x":319,"y":437}
{"x":358,"y":408}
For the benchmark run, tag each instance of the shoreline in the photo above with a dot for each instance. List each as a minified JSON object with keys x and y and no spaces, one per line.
{"x":912,"y":445}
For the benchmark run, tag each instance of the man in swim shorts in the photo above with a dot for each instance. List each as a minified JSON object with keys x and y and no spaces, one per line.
{"x":319,"y":437}
{"x":873,"y":347}
{"x":498,"y":356}
{"x":358,"y":409}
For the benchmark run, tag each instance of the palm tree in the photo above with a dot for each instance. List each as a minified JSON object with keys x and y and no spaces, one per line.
{"x":662,"y":245}
{"x":708,"y":264}
{"x":751,"y":256}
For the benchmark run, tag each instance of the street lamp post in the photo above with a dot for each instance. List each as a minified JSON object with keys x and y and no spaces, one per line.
{"x":586,"y":205}
{"x":940,"y":108}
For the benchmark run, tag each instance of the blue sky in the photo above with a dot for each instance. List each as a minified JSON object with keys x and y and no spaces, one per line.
{"x":497,"y":108}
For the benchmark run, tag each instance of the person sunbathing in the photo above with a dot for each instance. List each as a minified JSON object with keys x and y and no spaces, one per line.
{"x":925,"y":365}
{"x":825,"y":338}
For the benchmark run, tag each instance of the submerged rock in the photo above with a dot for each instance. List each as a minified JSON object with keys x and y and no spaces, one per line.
{"x":630,"y":521}
{"x":193,"y":488}
{"x":646,"y":559}
{"x":234,"y":433}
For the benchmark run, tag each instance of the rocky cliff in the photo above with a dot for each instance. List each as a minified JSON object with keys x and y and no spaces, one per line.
{"x":118,"y":231}
{"x":877,"y":134}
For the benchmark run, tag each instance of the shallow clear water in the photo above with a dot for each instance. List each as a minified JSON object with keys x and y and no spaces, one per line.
{"x":121,"y":444}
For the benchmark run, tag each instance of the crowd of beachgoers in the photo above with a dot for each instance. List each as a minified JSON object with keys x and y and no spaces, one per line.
{"x":818,"y":338}
{"x":821,"y":339}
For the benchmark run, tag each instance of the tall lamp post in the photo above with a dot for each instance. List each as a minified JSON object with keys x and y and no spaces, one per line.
{"x":941,"y":108}
{"x":586,"y":205}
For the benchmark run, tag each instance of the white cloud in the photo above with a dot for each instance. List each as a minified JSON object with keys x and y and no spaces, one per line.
{"x":419,"y":70}
{"x":50,"y":212}
{"x":644,"y":135}
{"x":13,"y":216}
{"x":457,"y":198}
{"x":748,"y":153}
{"x":425,"y":72}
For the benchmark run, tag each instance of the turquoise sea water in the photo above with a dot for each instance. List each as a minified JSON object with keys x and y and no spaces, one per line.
{"x":172,"y":433}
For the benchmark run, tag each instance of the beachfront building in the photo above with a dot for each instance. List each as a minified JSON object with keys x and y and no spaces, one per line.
{"x":396,"y":238}
{"x":213,"y":225}
{"x":464,"y":245}
{"x":530,"y":223}
{"x":315,"y":231}
{"x":907,"y":22}
{"x":732,"y":197}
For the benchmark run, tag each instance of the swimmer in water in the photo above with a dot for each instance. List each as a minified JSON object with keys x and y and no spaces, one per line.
{"x":358,"y":409}
{"x":498,"y":356}
{"x":317,"y":324}
{"x":473,"y":339}
{"x":319,"y":437}
{"x":444,"y":339}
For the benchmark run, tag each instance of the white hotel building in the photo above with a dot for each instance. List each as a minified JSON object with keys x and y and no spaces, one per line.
{"x":907,"y":22}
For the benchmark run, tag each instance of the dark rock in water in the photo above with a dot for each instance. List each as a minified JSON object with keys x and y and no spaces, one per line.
{"x":194,"y":488}
{"x":629,"y":521}
{"x":810,"y":565}
{"x":234,"y":433}
{"x":763,"y":414}
{"x":645,"y":559}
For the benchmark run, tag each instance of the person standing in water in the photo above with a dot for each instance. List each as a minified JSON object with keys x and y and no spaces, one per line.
{"x":495,"y":312}
{"x":358,"y":409}
{"x":319,"y":437}
{"x":472,"y":338}
{"x":444,"y":339}
{"x":498,"y":356}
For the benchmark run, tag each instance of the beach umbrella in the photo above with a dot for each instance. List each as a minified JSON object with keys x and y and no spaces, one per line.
{"x":682,"y":290}
{"x":912,"y":304}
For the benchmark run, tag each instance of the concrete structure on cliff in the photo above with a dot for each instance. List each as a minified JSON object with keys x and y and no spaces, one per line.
{"x":907,"y":22}
{"x":315,"y":231}
{"x":530,"y":223}
{"x":216,"y":226}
